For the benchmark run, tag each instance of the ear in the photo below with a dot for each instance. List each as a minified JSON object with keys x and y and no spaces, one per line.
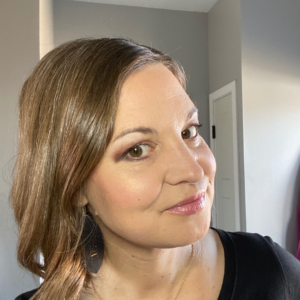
{"x":80,"y":200}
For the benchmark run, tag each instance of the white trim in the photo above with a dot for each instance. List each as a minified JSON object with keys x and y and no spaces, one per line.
{"x":222,"y":92}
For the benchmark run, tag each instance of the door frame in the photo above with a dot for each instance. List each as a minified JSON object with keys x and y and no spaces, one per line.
{"x":220,"y":93}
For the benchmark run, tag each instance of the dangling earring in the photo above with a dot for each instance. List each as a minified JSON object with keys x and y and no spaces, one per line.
{"x":92,"y":241}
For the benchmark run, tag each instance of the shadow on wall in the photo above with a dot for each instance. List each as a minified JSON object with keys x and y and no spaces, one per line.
{"x":291,"y":242}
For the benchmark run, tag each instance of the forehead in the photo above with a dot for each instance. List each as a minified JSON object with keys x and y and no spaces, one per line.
{"x":151,"y":96}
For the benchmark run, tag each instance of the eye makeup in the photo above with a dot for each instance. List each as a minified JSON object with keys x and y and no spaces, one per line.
{"x":126,"y":157}
{"x":196,"y":127}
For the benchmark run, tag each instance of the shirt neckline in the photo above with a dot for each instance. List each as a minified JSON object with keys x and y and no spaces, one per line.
{"x":229,"y":280}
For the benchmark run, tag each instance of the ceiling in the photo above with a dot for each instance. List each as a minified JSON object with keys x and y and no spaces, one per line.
{"x":185,"y":5}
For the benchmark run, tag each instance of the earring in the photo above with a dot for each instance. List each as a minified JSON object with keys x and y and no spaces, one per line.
{"x":92,"y":241}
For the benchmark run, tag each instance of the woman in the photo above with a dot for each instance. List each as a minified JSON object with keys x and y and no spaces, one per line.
{"x":114,"y":186}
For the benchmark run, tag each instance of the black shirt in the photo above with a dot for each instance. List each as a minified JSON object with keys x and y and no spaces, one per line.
{"x":256,"y":268}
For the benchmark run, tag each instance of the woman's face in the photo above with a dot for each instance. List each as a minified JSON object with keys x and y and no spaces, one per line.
{"x":155,"y":160}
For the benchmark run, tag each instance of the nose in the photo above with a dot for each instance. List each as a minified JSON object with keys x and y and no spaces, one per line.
{"x":182,"y":164}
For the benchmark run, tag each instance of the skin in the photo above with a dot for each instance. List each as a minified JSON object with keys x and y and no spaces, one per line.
{"x":147,"y":248}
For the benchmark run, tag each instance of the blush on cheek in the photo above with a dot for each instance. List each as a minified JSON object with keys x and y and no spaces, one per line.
{"x":125,"y":193}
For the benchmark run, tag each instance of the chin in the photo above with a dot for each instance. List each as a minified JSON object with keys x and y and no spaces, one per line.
{"x":186,"y":234}
{"x":194,"y":231}
{"x":194,"y":235}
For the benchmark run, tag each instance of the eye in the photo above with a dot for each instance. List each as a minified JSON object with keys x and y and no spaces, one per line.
{"x":136,"y":151}
{"x":191,"y":132}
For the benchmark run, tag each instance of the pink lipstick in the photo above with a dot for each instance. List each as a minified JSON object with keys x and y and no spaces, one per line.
{"x":189,"y":206}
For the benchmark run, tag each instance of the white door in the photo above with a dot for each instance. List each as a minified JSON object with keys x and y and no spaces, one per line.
{"x":226,"y":213}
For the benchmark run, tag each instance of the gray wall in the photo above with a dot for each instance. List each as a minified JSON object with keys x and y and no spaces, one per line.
{"x":271,"y":99}
{"x":183,"y":35}
{"x":224,"y":45}
{"x":19,"y":52}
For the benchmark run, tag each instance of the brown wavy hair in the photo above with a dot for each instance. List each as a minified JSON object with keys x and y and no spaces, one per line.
{"x":67,"y":110}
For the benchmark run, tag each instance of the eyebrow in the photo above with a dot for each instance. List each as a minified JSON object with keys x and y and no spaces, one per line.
{"x":191,"y":113}
{"x":150,"y":130}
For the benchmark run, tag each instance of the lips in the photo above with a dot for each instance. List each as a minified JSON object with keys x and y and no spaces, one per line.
{"x":190,"y":205}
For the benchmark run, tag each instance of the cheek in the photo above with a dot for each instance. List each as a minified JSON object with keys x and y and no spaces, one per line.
{"x":212,"y":164}
{"x":210,"y":172}
{"x":208,"y":161}
{"x":118,"y":189}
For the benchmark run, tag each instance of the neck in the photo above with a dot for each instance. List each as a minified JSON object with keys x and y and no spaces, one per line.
{"x":142,"y":273}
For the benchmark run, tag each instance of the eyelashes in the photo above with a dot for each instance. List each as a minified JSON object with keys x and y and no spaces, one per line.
{"x":136,"y":151}
{"x":139,"y":151}
{"x":185,"y":135}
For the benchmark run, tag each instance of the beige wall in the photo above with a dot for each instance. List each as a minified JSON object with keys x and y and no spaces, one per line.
{"x":19,"y":52}
{"x":271,"y":96}
{"x":224,"y":45}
